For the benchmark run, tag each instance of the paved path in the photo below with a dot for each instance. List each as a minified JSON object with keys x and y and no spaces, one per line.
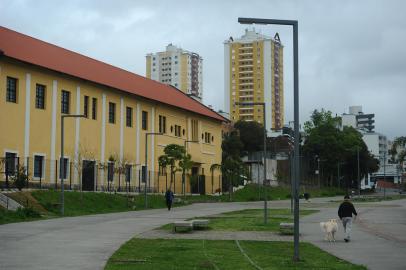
{"x":378,"y":235}
{"x":87,"y":242}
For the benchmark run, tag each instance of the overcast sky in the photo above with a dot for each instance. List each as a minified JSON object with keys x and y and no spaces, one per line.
{"x":350,"y":52}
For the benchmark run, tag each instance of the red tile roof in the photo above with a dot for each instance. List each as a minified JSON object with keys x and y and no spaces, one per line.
{"x":40,"y":53}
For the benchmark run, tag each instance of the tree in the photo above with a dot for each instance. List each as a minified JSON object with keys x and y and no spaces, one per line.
{"x":324,"y":140}
{"x":231,"y":165}
{"x":185,"y":164}
{"x":399,"y":157}
{"x":173,"y":154}
{"x":251,"y":135}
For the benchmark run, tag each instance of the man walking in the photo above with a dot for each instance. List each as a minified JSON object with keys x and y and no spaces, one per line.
{"x":169,"y":198}
{"x":345,"y":212}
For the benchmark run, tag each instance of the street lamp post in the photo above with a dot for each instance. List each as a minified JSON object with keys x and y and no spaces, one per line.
{"x":62,"y":160}
{"x":264,"y":154}
{"x":183,"y":171}
{"x":146,"y":166}
{"x":294,"y":24}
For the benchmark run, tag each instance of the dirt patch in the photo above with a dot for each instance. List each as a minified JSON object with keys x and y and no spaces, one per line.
{"x":27,"y":200}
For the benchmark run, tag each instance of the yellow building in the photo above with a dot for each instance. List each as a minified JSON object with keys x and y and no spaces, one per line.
{"x":253,"y":66}
{"x":179,"y":68}
{"x":40,"y":82}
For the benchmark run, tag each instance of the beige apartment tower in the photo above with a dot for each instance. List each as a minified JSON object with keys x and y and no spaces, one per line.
{"x":179,"y":68}
{"x":253,"y":67}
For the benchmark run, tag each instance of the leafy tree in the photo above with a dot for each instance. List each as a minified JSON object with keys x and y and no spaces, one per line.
{"x":231,"y":166}
{"x":185,"y":164}
{"x":175,"y":155}
{"x":251,"y":135}
{"x":335,"y":147}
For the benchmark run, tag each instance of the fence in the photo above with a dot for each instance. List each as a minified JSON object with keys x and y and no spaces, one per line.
{"x":93,"y":176}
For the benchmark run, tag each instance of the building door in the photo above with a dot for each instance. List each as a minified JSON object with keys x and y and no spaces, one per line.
{"x":202,"y":184}
{"x":88,"y":175}
{"x":194,"y":180}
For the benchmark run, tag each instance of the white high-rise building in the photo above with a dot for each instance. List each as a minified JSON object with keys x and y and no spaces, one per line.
{"x":179,"y":68}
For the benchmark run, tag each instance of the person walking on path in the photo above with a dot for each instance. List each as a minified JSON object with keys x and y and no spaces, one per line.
{"x":345,"y":212}
{"x":169,"y":198}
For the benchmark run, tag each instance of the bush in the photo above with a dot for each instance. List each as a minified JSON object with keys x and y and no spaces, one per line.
{"x":20,"y":178}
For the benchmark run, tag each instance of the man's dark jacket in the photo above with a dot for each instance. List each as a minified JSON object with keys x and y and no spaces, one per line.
{"x":346,"y":209}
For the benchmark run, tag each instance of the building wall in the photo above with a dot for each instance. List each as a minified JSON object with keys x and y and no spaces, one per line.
{"x":27,"y":130}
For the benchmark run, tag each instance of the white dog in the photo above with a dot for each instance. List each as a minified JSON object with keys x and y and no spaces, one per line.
{"x":329,"y":228}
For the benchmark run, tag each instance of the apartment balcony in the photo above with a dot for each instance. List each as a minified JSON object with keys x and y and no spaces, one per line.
{"x":247,"y":65}
{"x":247,"y":83}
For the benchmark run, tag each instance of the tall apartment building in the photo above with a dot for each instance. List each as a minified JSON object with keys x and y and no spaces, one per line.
{"x":253,"y":67}
{"x":179,"y":68}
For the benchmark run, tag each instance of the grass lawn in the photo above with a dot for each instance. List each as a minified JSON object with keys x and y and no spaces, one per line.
{"x":163,"y":254}
{"x":26,"y":214}
{"x":86,"y":203}
{"x":249,"y":220}
{"x":378,"y":198}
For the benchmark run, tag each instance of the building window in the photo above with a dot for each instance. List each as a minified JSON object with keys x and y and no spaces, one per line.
{"x":11,"y":95}
{"x":162,"y":124}
{"x":94,"y":108}
{"x":40,"y":96}
{"x":86,"y":106}
{"x":207,"y":137}
{"x":195,"y":134}
{"x":11,"y":163}
{"x":112,"y":112}
{"x":65,"y":171}
{"x":129,"y":117}
{"x":65,"y":99}
{"x":39,"y":166}
{"x":128,"y":173}
{"x":177,"y":131}
{"x":144,"y":120}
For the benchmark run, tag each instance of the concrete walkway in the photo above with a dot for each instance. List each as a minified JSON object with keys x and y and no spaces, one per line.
{"x":8,"y":203}
{"x":378,"y":235}
{"x":87,"y":242}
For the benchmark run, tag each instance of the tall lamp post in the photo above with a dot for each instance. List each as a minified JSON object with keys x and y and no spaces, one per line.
{"x":62,"y":160}
{"x":183,"y":172}
{"x":264,"y":154}
{"x":146,"y":166}
{"x":294,"y":24}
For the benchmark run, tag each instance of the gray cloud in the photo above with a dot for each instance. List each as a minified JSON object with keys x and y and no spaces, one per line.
{"x":351,"y":52}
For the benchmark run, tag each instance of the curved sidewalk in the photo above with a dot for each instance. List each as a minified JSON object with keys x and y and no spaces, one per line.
{"x":378,"y":235}
{"x":87,"y":242}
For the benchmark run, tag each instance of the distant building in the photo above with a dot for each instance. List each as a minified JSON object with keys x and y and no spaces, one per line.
{"x":179,"y":68}
{"x":253,"y":66}
{"x":357,"y":119}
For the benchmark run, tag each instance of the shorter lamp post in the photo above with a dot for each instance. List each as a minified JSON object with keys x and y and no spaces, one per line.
{"x":146,"y":165}
{"x":62,"y":160}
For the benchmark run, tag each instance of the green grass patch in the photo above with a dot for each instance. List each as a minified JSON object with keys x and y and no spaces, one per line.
{"x":22,"y":214}
{"x":163,"y":254}
{"x":378,"y":198}
{"x":249,"y":220}
{"x":86,"y":203}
